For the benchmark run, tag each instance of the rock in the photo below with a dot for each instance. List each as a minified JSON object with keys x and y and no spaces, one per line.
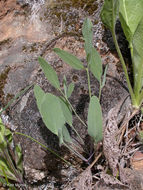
{"x":22,"y":3}
{"x":137,"y":161}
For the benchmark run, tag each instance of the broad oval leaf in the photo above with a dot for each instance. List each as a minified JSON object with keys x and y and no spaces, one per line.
{"x":39,"y":95}
{"x":95,"y":119}
{"x":109,"y":13}
{"x":49,"y":73}
{"x":95,"y":64}
{"x":130,"y":13}
{"x":69,"y":59}
{"x":87,"y":35}
{"x":52,"y":113}
{"x":50,"y":110}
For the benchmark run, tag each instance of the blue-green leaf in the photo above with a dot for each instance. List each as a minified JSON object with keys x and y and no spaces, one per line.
{"x":60,"y":136}
{"x":50,"y":110}
{"x":39,"y":95}
{"x":70,"y":89}
{"x":69,"y":59}
{"x":95,"y":119}
{"x":49,"y":73}
{"x":66,"y":135}
{"x":87,"y":35}
{"x":65,"y":86}
{"x":66,"y":111}
{"x":52,"y":113}
{"x":95,"y":64}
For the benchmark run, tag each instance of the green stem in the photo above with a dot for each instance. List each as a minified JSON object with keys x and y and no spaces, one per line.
{"x":77,"y":134}
{"x":141,"y":97}
{"x":88,"y":78}
{"x":45,"y":147}
{"x":100,"y":88}
{"x":73,"y":109}
{"x":133,"y":64}
{"x":138,"y":82}
{"x":125,"y":69}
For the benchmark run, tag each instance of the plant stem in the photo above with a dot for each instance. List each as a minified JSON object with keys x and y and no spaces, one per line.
{"x":77,"y":133}
{"x":100,"y":88}
{"x":77,"y":153}
{"x":133,"y":64}
{"x":141,"y":97}
{"x":138,"y":81}
{"x":125,"y":70}
{"x":45,"y":147}
{"x":88,"y":78}
{"x":73,"y":109}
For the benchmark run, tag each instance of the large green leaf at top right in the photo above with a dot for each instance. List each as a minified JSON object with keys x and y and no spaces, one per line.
{"x":138,"y":57}
{"x":130,"y":13}
{"x":109,"y":13}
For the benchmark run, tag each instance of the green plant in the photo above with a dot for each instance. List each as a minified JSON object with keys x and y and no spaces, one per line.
{"x":10,"y":160}
{"x":130,"y":15}
{"x":11,"y":170}
{"x":57,"y":111}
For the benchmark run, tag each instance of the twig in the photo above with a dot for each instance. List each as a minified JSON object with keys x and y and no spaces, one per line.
{"x":94,"y":162}
{"x":123,"y":128}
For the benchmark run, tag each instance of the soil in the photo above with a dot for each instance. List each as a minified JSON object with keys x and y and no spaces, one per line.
{"x":22,"y":41}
